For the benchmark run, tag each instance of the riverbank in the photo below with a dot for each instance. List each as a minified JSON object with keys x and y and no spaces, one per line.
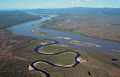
{"x":79,"y":43}
{"x":80,"y":25}
{"x":95,"y":60}
{"x":82,"y":34}
{"x":40,"y":33}
{"x":98,"y":64}
{"x":8,"y":19}
{"x":93,"y":37}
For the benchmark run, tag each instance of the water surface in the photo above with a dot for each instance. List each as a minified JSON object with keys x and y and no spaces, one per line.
{"x":25,"y":29}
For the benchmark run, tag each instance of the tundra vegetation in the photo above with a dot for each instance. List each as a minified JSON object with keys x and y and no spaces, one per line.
{"x":17,"y":52}
{"x":101,"y":23}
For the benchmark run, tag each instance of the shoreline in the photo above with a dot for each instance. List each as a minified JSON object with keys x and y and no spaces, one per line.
{"x":114,"y":41}
{"x":17,"y":24}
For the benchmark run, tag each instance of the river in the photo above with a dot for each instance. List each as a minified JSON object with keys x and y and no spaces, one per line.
{"x":25,"y":29}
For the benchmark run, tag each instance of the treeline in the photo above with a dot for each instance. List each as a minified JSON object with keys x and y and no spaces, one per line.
{"x":10,"y":18}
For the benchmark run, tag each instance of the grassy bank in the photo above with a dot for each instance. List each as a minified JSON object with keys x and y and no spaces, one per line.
{"x":96,"y":27}
{"x":99,"y":63}
{"x":18,"y":53}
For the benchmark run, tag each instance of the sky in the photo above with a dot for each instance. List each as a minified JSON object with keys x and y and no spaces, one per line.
{"x":32,"y":4}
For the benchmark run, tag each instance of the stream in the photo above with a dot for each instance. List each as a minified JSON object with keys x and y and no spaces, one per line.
{"x":25,"y":30}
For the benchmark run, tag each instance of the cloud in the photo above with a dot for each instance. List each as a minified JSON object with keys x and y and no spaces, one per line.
{"x":50,"y":4}
{"x":3,"y":5}
{"x":73,"y":1}
{"x":88,"y":0}
{"x":81,"y":0}
{"x":77,"y":0}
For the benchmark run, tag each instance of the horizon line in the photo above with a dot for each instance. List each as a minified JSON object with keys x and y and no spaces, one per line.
{"x":52,"y":8}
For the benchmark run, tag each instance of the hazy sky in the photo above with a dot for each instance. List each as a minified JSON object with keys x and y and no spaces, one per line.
{"x":27,"y":4}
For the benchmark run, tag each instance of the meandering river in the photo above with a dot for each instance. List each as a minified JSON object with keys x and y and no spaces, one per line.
{"x":25,"y":29}
{"x":52,"y":64}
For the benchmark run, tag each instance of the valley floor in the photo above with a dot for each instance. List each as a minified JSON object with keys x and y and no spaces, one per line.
{"x":17,"y":52}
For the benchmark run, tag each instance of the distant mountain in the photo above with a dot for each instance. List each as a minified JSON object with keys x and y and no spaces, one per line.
{"x":80,"y":10}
